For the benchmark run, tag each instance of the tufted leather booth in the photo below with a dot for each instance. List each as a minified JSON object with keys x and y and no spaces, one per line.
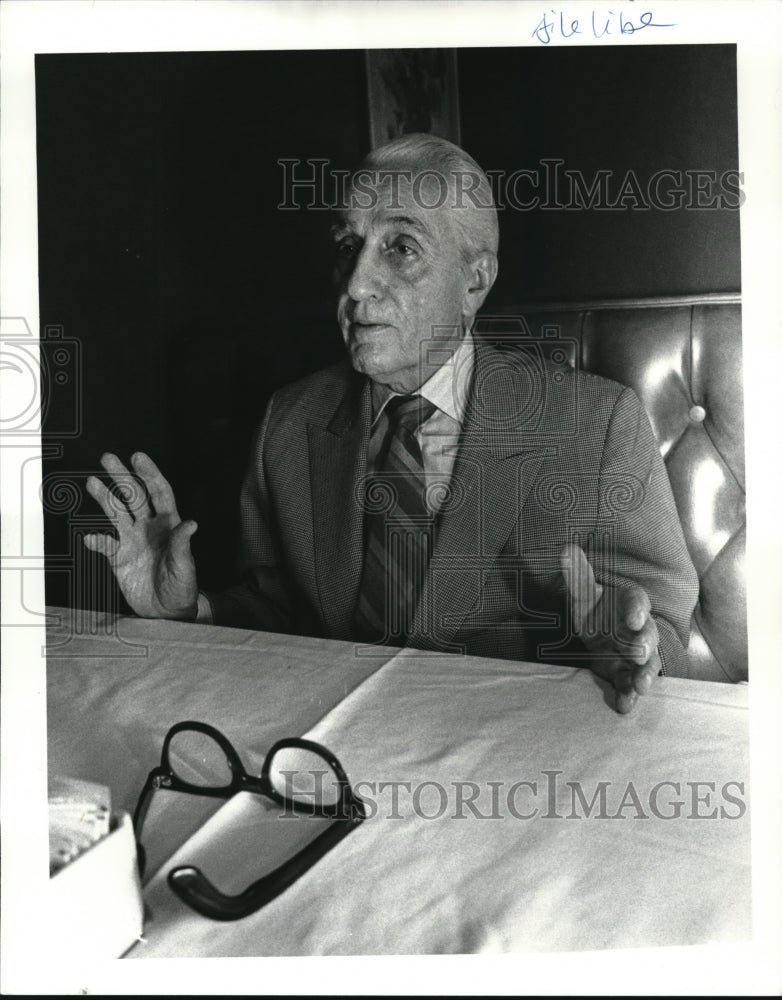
{"x":683,"y":358}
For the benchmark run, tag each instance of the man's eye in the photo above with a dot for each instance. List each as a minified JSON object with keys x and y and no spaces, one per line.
{"x":404,"y":249}
{"x":345,"y":254}
{"x":345,"y":249}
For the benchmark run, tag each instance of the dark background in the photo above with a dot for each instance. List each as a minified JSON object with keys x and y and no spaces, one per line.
{"x":191,"y":296}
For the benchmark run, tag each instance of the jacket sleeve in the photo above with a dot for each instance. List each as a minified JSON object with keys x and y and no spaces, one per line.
{"x":261,"y":600}
{"x":641,"y":539}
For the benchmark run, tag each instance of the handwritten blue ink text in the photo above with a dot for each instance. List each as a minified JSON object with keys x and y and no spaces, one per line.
{"x":555,"y":23}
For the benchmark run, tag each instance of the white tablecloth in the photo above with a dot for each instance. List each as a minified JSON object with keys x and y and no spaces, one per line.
{"x":541,"y":867}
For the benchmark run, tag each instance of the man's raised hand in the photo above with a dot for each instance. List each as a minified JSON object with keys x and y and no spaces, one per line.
{"x":151,"y":556}
{"x":615,"y":625}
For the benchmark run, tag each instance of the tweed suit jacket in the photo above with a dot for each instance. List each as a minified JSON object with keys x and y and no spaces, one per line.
{"x":546,"y":456}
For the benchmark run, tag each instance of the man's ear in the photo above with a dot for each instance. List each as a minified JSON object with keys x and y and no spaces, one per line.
{"x":481,"y":274}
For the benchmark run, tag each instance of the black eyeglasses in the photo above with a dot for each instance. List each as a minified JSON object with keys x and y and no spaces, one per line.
{"x":298,"y":774}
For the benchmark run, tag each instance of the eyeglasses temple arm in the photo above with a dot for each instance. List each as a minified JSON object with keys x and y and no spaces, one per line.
{"x":141,"y":810}
{"x":193,"y":888}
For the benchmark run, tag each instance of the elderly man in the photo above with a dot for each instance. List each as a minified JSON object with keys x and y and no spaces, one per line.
{"x":433,"y":491}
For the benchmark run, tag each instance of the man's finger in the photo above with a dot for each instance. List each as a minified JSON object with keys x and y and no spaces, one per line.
{"x":158,"y":487}
{"x":130,"y":491}
{"x":625,"y":701}
{"x":643,"y":681}
{"x":106,"y":545}
{"x":644,"y":676}
{"x":636,"y":608}
{"x":180,"y":539}
{"x":637,"y":647}
{"x":628,"y":682}
{"x":583,"y":590}
{"x":112,"y":507}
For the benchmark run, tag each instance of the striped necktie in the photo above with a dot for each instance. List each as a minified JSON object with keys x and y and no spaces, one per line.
{"x":398,"y":526}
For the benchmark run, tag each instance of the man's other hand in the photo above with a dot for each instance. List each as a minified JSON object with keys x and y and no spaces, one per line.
{"x":151,"y":555}
{"x":615,"y":625}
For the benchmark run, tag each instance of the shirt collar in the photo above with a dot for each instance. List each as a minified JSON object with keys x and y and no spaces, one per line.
{"x":447,"y":388}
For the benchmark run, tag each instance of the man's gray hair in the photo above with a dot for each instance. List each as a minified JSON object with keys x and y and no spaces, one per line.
{"x":474,"y":213}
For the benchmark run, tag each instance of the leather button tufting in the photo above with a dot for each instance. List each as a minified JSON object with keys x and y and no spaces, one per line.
{"x":697,"y":414}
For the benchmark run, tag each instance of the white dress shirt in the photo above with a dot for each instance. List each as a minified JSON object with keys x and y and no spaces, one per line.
{"x":447,"y":389}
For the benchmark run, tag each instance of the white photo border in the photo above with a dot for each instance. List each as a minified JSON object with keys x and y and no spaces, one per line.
{"x":28,"y":27}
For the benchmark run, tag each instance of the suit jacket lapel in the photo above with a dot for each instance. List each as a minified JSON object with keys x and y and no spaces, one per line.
{"x":499,"y":456}
{"x":338,"y":458}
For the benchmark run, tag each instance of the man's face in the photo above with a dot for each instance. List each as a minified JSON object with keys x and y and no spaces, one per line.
{"x":401,"y":281}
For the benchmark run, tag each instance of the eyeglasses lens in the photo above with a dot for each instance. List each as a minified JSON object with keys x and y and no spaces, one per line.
{"x":303,"y":776}
{"x":198,"y":759}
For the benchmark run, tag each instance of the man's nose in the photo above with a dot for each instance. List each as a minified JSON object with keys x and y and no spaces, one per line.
{"x":366,"y":280}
